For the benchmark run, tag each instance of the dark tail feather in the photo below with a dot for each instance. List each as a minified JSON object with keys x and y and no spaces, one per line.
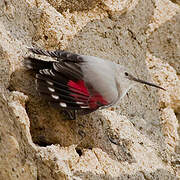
{"x":37,"y":64}
{"x":54,"y":54}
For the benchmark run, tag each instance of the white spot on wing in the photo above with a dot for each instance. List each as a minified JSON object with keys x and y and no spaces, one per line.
{"x":84,"y":107}
{"x":37,"y":75}
{"x":52,"y":73}
{"x":36,"y":82}
{"x":46,"y":71}
{"x":50,"y":83}
{"x":68,"y":55}
{"x":62,"y":104}
{"x":79,"y":103}
{"x":41,"y":71}
{"x":55,"y":96}
{"x":29,"y":66}
{"x":51,"y":89}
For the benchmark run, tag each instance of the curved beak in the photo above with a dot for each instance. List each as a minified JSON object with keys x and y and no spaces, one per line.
{"x":144,"y":82}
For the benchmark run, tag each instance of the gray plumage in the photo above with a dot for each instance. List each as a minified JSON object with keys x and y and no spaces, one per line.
{"x":80,"y":82}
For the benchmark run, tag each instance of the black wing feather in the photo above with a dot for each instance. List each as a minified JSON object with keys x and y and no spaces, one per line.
{"x":53,"y":77}
{"x":37,"y":64}
{"x":59,"y":54}
{"x":58,"y":87}
{"x":62,"y":68}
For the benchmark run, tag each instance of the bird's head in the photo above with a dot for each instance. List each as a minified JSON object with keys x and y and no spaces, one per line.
{"x":126,"y":80}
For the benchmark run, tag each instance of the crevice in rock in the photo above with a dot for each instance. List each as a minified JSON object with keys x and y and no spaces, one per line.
{"x":79,"y":151}
{"x":41,"y":141}
{"x":10,"y":88}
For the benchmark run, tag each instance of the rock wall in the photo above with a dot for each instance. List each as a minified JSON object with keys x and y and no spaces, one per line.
{"x":36,"y":142}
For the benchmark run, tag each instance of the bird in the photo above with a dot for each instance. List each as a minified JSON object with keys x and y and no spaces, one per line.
{"x":79,"y":83}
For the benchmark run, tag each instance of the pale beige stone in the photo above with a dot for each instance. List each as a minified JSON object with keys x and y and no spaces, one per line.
{"x":164,"y":11}
{"x":163,"y":45}
{"x":165,"y":75}
{"x":81,"y":149}
{"x":170,"y":127}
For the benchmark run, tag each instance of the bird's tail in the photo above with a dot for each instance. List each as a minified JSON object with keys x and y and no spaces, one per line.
{"x":37,"y":64}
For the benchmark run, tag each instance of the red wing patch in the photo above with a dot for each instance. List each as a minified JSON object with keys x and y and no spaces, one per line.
{"x":94,"y":100}
{"x":79,"y":86}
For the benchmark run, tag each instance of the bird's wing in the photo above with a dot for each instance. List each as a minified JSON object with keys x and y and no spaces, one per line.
{"x":59,"y":54}
{"x":76,"y":82}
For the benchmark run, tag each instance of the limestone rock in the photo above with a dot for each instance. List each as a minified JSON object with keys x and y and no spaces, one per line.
{"x":137,"y":139}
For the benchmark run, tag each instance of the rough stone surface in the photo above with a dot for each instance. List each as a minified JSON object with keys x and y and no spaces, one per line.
{"x":37,"y":142}
{"x":164,"y":42}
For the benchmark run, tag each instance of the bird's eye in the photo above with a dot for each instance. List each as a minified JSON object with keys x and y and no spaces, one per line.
{"x":126,"y":74}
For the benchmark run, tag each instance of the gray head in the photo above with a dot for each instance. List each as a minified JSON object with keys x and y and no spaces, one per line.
{"x":126,"y":80}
